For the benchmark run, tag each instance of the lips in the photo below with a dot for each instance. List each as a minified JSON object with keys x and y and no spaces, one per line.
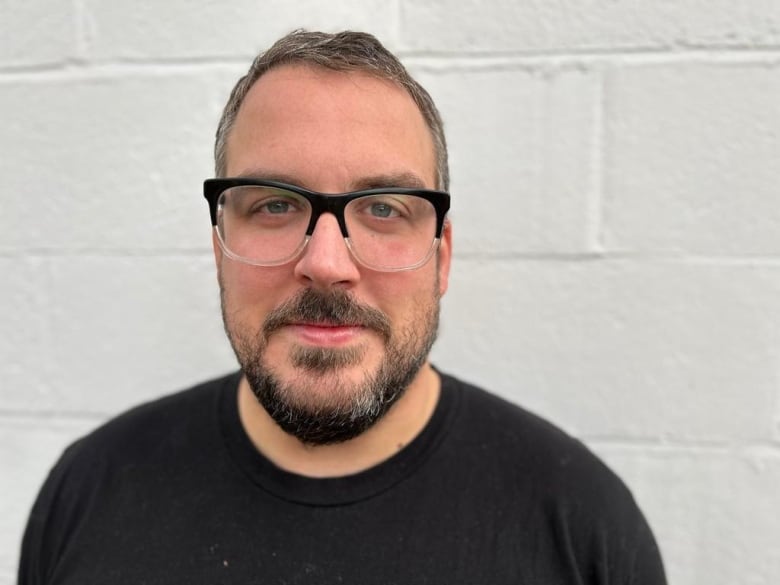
{"x":325,"y":334}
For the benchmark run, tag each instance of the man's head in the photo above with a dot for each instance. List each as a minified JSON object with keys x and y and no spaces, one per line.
{"x":329,"y":343}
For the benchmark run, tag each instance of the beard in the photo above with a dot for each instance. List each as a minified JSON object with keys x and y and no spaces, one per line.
{"x":345,"y":408}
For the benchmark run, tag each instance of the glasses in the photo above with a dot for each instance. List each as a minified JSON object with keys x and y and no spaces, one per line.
{"x":267,"y":223}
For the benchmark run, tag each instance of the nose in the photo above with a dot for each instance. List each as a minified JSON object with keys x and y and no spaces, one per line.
{"x":326,"y":262}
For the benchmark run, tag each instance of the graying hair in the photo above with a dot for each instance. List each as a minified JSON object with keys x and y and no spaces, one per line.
{"x":344,"y":51}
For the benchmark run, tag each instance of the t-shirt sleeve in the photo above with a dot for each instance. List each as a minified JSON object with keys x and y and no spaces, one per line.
{"x":48,"y":525}
{"x":33,"y":565}
{"x":622,"y":540}
{"x":648,"y":568}
{"x":609,"y":544}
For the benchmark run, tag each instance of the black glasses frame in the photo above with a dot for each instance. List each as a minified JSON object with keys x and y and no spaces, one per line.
{"x":334,"y":203}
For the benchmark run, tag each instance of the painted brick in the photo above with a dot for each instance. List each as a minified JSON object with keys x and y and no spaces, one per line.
{"x":777,"y":419}
{"x":694,"y":159}
{"x":29,"y":447}
{"x":24,"y":338}
{"x":178,"y":29}
{"x":520,"y":147}
{"x":107,"y":162}
{"x":570,"y":25}
{"x":621,"y":349}
{"x":713,"y":513}
{"x":128,"y":329}
{"x":36,"y":32}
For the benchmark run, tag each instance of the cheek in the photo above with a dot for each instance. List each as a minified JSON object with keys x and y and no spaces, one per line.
{"x":403,"y":295}
{"x":250,"y":291}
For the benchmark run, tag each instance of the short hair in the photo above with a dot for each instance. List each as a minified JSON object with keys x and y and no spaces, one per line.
{"x":343,"y":51}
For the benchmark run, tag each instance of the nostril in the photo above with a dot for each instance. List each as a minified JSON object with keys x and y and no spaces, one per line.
{"x":327,"y":261}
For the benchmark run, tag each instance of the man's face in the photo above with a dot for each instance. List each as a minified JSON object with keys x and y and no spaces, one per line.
{"x":327,"y":344}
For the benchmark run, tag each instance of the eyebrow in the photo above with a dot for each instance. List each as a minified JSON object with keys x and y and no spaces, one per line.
{"x":404,"y":179}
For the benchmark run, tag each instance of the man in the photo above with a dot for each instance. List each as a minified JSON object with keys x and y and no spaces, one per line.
{"x":337,"y":454}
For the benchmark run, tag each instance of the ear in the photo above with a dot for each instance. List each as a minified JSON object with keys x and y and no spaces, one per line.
{"x":445,"y":257}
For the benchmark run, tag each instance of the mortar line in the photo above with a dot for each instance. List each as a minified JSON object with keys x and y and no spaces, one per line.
{"x":597,"y":195}
{"x":16,"y":415}
{"x":397,"y":25}
{"x":609,"y":256}
{"x":105,"y":252}
{"x":664,"y":446}
{"x":80,"y":30}
{"x":530,"y":256}
{"x":455,"y":60}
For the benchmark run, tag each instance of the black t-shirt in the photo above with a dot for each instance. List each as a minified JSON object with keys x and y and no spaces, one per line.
{"x":175,"y":492}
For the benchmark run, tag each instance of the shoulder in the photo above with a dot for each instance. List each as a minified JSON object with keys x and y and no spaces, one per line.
{"x":485,"y":416}
{"x":530,"y":472}
{"x":96,"y":472}
{"x":518,"y":445}
{"x":168,"y":417}
{"x":147,"y":432}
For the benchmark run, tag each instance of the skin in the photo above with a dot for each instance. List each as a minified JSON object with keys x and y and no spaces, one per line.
{"x":332,"y":132}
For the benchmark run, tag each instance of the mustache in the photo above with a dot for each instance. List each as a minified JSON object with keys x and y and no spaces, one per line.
{"x":334,"y":308}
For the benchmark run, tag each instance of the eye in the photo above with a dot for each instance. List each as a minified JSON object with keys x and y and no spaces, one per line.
{"x":274,"y":207}
{"x":382,"y":209}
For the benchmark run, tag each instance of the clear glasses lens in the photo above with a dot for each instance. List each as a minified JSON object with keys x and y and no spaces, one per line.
{"x":262,"y":224}
{"x":267,"y":226}
{"x":391,"y":231}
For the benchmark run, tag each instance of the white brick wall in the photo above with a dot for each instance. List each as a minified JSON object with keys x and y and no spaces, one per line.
{"x":696,"y":147}
{"x":519,"y":135}
{"x":632,"y":295}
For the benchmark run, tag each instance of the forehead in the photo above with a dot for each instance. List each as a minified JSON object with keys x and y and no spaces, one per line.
{"x":327,"y":126}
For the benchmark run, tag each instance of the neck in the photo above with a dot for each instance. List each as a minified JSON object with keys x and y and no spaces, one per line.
{"x":402,"y":423}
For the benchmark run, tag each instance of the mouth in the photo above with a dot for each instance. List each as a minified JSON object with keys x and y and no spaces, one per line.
{"x":326,"y":319}
{"x":325,"y":334}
